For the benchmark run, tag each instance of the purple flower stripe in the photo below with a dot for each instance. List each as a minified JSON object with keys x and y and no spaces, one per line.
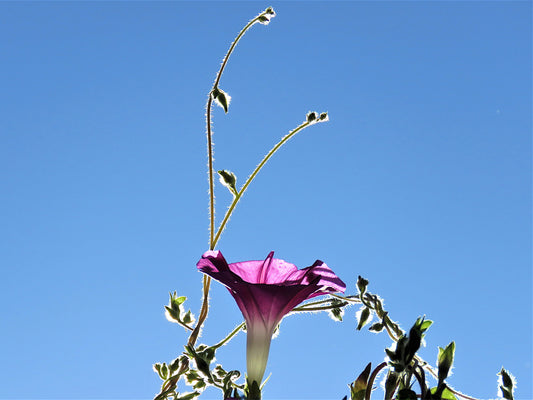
{"x":270,"y":289}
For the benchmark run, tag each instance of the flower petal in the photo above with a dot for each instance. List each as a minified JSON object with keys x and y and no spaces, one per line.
{"x":265,"y":292}
{"x":269,"y":271}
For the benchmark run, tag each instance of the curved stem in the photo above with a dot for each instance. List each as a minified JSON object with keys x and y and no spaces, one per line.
{"x":212,"y":242}
{"x":203,"y":312}
{"x":232,"y":47}
{"x":230,"y":336}
{"x":211,"y":172}
{"x":428,"y":368}
{"x":252,"y":176}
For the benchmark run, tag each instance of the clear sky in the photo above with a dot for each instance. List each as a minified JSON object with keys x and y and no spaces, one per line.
{"x":420,"y":182}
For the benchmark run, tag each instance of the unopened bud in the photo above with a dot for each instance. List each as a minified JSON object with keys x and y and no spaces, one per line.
{"x":445,"y":361}
{"x":311,"y":116}
{"x":265,"y":17}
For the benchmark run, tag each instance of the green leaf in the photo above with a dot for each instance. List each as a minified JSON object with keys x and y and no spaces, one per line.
{"x":188,"y":396}
{"x":424,"y":326}
{"x":377,"y":327}
{"x":172,"y":315}
{"x":188,"y":318}
{"x":228,"y":179}
{"x":200,"y":385}
{"x":176,"y":302}
{"x":445,"y":361}
{"x":506,"y":384}
{"x":336,"y":314}
{"x":358,"y":387}
{"x":445,"y":395}
{"x":363,"y":318}
{"x":221,"y":98}
{"x":174,"y":308}
{"x":219,"y":372}
{"x":208,"y":354}
{"x":192,"y":377}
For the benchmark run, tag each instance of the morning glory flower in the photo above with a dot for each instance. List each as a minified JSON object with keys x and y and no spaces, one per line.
{"x":265,"y":292}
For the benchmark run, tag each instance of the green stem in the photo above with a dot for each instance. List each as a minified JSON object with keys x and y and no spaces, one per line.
{"x":350,"y":299}
{"x":230,"y":336}
{"x":313,"y":303}
{"x":323,"y":308}
{"x":252,"y":176}
{"x":424,"y":364}
{"x":211,"y":171}
{"x":203,"y":311}
{"x":207,"y":280}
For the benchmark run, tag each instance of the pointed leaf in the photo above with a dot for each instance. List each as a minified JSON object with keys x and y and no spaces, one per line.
{"x":358,"y":387}
{"x":506,"y":384}
{"x":228,"y":179}
{"x":363,"y":317}
{"x":221,"y":98}
{"x":377,"y":327}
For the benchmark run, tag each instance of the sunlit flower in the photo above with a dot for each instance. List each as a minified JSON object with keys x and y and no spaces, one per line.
{"x":265,"y":292}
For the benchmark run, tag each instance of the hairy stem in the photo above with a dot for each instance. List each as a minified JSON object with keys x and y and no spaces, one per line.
{"x":211,"y":177}
{"x":253,"y":175}
{"x":203,"y":311}
{"x":230,"y":336}
{"x":211,"y":172}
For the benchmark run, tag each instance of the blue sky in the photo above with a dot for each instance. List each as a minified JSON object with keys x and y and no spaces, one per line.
{"x":420,"y":182}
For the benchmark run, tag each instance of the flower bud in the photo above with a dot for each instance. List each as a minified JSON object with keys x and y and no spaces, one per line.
{"x":265,"y":17}
{"x":506,"y":384}
{"x":311,"y":116}
{"x":445,"y":361}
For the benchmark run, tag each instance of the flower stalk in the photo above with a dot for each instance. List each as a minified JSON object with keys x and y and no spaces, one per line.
{"x":265,"y":159}
{"x":263,"y":18}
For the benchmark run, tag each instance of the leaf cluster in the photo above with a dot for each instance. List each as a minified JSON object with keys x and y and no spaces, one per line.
{"x":176,"y":313}
{"x":194,"y":366}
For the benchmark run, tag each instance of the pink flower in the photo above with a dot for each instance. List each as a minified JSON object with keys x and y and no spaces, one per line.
{"x":265,"y":292}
